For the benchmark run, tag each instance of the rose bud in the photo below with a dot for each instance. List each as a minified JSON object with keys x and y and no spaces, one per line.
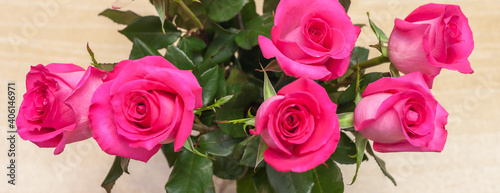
{"x":432,"y":37}
{"x":400,"y":114}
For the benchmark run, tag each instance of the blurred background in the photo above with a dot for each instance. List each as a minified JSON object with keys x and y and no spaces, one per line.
{"x":46,"y":31}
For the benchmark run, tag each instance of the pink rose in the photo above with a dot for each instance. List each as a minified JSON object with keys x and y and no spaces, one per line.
{"x":54,"y":111}
{"x":142,"y":104}
{"x":400,"y":114}
{"x":311,"y":39}
{"x":299,"y":125}
{"x":432,"y":37}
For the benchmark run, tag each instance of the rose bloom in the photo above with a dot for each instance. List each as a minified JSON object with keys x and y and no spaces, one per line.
{"x":54,"y":111}
{"x":143,"y":104}
{"x":311,"y":39}
{"x":299,"y":125}
{"x":432,"y":37}
{"x":400,"y":114}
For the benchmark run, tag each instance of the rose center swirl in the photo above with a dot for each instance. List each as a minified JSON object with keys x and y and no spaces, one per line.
{"x":294,"y":124}
{"x":316,"y":30}
{"x":138,"y":108}
{"x":414,"y":117}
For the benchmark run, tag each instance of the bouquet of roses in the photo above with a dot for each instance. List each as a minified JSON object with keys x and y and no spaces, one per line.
{"x":274,"y":100}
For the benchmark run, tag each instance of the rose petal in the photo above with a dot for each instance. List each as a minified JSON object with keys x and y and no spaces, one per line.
{"x":284,"y":163}
{"x":79,"y":102}
{"x":289,"y":66}
{"x":376,"y":121}
{"x":103,"y":127}
{"x":406,"y":48}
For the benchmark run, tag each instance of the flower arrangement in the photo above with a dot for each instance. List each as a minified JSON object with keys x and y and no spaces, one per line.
{"x":211,"y":108}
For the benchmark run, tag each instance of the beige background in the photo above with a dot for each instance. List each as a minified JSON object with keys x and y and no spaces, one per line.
{"x":31,"y":33}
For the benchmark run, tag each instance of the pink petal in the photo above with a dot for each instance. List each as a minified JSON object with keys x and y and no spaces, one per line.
{"x":103,"y":127}
{"x":285,"y":163}
{"x":406,"y":48}
{"x":289,"y":66}
{"x":79,"y":102}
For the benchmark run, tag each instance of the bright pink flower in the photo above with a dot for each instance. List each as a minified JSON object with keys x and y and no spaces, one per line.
{"x":142,"y":104}
{"x":54,"y":111}
{"x":400,"y":114}
{"x":432,"y":37}
{"x":311,"y":39}
{"x":299,"y":125}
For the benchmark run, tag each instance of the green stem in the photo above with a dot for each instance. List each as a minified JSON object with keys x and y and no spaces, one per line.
{"x":372,"y":62}
{"x":195,"y":19}
{"x":203,"y":128}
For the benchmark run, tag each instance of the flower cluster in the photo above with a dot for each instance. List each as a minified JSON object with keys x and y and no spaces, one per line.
{"x":207,"y":82}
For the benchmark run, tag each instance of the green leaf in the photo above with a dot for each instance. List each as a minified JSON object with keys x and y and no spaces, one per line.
{"x":270,"y":5}
{"x":107,"y":66}
{"x":240,"y":147}
{"x":268,"y":87}
{"x":218,"y":143}
{"x":120,"y":17}
{"x":178,"y":58}
{"x":346,"y":150}
{"x":141,"y":49}
{"x":222,"y":88}
{"x":148,"y":29}
{"x":260,"y":152}
{"x":254,"y":182}
{"x":161,"y":8}
{"x":91,"y":54}
{"x":223,"y":10}
{"x":236,"y":76}
{"x":190,"y":147}
{"x":394,"y":71}
{"x":346,"y":120}
{"x":124,"y":164}
{"x":245,"y":94}
{"x":248,"y":12}
{"x":222,"y":47}
{"x":327,"y":178}
{"x":250,"y":154}
{"x":248,"y":37}
{"x":209,"y":82}
{"x":114,"y":173}
{"x":290,"y":182}
{"x":359,"y":54}
{"x":191,"y":174}
{"x":273,"y":66}
{"x":378,"y":32}
{"x":228,"y":168}
{"x":186,"y":13}
{"x":381,"y":163}
{"x":360,"y":152}
{"x":169,"y":153}
{"x":348,"y":95}
{"x":195,"y":43}
{"x":346,"y":4}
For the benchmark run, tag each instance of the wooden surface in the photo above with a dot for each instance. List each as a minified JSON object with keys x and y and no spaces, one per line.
{"x":45,"y":31}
